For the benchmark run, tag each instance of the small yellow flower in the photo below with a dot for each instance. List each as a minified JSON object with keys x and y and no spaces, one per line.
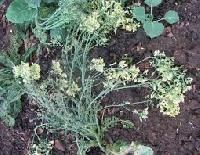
{"x":56,"y":67}
{"x":35,"y":72}
{"x":26,"y":72}
{"x":73,"y":89}
{"x":91,"y":23}
{"x":97,"y":64}
{"x":123,"y":64}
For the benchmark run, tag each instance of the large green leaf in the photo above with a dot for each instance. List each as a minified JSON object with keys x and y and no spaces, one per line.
{"x":139,"y":13}
{"x":33,"y":3}
{"x":1,"y":1}
{"x":153,"y":29}
{"x":20,"y":12}
{"x":171,"y":17}
{"x":153,"y":3}
{"x":50,"y":1}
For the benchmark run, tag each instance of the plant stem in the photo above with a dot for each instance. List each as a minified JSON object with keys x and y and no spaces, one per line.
{"x":124,"y":104}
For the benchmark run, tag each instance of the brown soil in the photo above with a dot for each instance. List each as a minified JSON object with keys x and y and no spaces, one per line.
{"x":13,"y":142}
{"x":5,"y":27}
{"x":167,"y":136}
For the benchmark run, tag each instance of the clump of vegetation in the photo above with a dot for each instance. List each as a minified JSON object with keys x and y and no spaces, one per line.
{"x":14,"y":68}
{"x":69,"y":99}
{"x":11,"y":87}
{"x":10,"y":91}
{"x":43,"y":147}
{"x":26,"y":72}
{"x":153,"y":28}
{"x":106,"y":17}
{"x":98,"y":17}
{"x":170,"y":86}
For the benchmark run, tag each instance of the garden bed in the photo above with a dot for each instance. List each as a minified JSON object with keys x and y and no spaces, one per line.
{"x":166,"y":135}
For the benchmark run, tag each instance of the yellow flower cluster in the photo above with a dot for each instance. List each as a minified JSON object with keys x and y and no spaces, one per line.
{"x":169,"y":102}
{"x":117,"y":16}
{"x":56,"y":67}
{"x":97,"y":64}
{"x":26,"y":72}
{"x":91,"y":23}
{"x":109,"y":16}
{"x":62,"y":82}
{"x":123,"y":72}
{"x":169,"y":89}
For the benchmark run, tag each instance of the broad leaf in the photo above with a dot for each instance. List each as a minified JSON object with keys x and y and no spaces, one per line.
{"x":19,"y":12}
{"x":171,"y":17}
{"x":1,"y":1}
{"x":143,"y":150}
{"x":50,"y":1}
{"x":33,"y":3}
{"x":153,"y":3}
{"x":153,"y":29}
{"x":57,"y":34}
{"x":139,"y":13}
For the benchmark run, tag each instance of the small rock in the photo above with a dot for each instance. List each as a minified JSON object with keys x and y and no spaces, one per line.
{"x":58,"y":145}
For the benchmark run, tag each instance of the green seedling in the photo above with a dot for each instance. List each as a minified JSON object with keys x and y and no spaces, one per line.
{"x":153,"y":28}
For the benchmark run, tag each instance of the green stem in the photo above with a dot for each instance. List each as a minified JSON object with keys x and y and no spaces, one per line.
{"x":124,"y":104}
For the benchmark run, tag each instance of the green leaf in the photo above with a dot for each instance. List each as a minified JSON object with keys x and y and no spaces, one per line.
{"x":56,"y":34}
{"x":153,"y":3}
{"x":139,"y":13}
{"x":33,"y":3}
{"x":1,"y":1}
{"x":153,"y":29}
{"x":5,"y":60}
{"x":50,"y":1}
{"x":143,"y":150}
{"x":171,"y":17}
{"x":20,"y":12}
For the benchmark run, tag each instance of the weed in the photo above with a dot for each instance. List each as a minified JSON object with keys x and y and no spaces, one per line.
{"x":26,"y":72}
{"x":98,"y":17}
{"x":106,"y":17}
{"x":170,"y":85}
{"x":11,"y":88}
{"x":10,"y":91}
{"x":43,"y":147}
{"x":67,"y":99}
